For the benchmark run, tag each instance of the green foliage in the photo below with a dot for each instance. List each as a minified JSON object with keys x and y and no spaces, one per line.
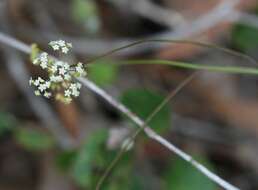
{"x":93,"y":158}
{"x":103,"y":73}
{"x":119,"y":176}
{"x":127,"y":180}
{"x":65,"y":160}
{"x":180,"y":175}
{"x":245,"y":37}
{"x":88,"y":158}
{"x":7,"y":122}
{"x":33,"y":140}
{"x":143,"y":102}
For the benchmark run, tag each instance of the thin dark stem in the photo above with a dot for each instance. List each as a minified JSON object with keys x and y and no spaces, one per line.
{"x":202,"y":44}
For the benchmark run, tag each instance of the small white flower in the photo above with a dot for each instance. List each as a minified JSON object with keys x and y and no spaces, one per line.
{"x":67,"y":93}
{"x":40,"y":79}
{"x":75,"y":93}
{"x":61,"y":42}
{"x":47,"y":94}
{"x":47,"y":84}
{"x":56,"y":78}
{"x":43,"y":65}
{"x":55,"y":47}
{"x":42,"y":87}
{"x":62,"y":71}
{"x":44,"y":57}
{"x":79,"y":69}
{"x":60,"y":45}
{"x":65,"y":50}
{"x":73,"y":86}
{"x":53,"y":68}
{"x":36,"y":82}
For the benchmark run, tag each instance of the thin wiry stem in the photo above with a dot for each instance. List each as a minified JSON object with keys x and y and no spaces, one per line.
{"x":174,"y":41}
{"x":196,"y":66}
{"x":119,"y":106}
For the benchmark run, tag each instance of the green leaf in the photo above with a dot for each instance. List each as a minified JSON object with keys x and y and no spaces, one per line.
{"x":182,"y":176}
{"x":33,"y":140}
{"x":65,"y":160}
{"x":245,"y":37}
{"x":87,"y":157}
{"x":7,"y":122}
{"x":103,"y":73}
{"x":143,"y":102}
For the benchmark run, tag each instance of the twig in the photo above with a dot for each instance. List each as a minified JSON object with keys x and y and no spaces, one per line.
{"x":149,"y":132}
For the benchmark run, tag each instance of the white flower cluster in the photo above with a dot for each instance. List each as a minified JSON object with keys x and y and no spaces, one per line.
{"x":42,"y":86}
{"x":60,"y":45}
{"x":60,"y":73}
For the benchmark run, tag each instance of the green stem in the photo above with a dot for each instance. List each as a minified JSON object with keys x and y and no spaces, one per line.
{"x":222,"y":69}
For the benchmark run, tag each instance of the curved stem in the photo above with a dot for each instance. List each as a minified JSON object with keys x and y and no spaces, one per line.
{"x":202,"y":44}
{"x":212,"y":68}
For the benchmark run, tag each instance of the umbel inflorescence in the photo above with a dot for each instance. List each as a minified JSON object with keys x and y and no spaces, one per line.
{"x":59,"y":83}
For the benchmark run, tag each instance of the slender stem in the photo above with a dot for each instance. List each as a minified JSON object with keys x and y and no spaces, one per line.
{"x":213,"y":68}
{"x":175,"y":41}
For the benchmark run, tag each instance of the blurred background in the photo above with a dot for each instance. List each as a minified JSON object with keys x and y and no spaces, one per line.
{"x":46,"y":145}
